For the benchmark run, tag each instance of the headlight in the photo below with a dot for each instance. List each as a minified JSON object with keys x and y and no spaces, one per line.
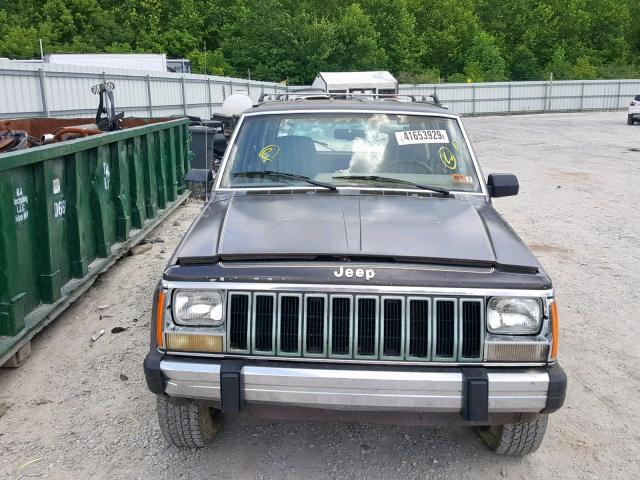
{"x":198,"y":308}
{"x":515,"y":316}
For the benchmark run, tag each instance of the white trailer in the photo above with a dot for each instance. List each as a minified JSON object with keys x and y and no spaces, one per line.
{"x":377,"y":82}
{"x":153,"y":62}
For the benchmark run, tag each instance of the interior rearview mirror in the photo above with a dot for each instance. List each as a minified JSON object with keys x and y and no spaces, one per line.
{"x":347,"y":134}
{"x":502,"y":185}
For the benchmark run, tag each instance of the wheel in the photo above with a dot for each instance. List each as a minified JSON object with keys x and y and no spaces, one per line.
{"x":630,"y":120}
{"x":515,"y":439}
{"x":188,"y":425}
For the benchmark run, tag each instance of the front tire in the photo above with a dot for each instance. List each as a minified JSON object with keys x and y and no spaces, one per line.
{"x":630,"y":120}
{"x":188,"y":425}
{"x":515,"y":439}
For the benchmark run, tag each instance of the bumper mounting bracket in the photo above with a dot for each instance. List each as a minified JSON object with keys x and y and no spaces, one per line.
{"x":231,"y":386}
{"x":475,"y":395}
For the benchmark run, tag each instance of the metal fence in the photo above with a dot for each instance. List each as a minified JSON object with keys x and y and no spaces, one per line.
{"x":36,"y":90}
{"x":531,"y":97}
{"x":50,"y":90}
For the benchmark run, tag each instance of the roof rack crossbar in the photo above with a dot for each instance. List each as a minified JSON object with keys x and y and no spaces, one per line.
{"x":279,"y":97}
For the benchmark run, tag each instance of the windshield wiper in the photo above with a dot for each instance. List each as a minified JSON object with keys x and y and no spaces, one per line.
{"x":379,"y":178}
{"x":292,"y":176}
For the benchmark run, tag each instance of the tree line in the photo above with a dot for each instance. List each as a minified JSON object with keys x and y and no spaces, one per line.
{"x":420,"y":41}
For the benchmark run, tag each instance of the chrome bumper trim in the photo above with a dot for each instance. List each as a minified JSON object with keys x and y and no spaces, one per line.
{"x":365,"y":390}
{"x":353,"y":389}
{"x":191,"y":380}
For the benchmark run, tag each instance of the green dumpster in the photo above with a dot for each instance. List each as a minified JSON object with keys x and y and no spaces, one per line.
{"x":68,"y":210}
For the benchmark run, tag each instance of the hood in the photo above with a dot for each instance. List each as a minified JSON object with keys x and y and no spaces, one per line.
{"x":329,"y":225}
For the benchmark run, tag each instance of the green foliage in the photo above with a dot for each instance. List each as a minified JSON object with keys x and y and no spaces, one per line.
{"x":396,"y":26}
{"x":457,"y":78}
{"x":212,"y":63}
{"x":428,"y":75}
{"x":418,"y":40}
{"x":558,"y":65}
{"x":524,"y":64}
{"x":619,"y":70}
{"x":483,"y":60}
{"x":356,"y":42}
{"x":445,"y":29}
{"x":583,"y":69}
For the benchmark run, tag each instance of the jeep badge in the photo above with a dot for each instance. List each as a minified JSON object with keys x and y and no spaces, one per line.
{"x":367,"y":274}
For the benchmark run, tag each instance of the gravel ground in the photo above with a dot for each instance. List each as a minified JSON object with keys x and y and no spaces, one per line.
{"x":81,"y":410}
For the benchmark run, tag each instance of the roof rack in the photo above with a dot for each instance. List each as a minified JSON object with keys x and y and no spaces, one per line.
{"x":363,"y":97}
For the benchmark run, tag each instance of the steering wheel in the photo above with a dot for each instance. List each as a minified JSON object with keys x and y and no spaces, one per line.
{"x":422,"y":167}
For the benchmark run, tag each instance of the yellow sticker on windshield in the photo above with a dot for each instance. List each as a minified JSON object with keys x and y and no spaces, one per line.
{"x":448,"y":158}
{"x":268,"y":153}
{"x":454,"y":143}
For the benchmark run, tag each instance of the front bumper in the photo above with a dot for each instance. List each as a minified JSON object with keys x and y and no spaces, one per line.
{"x":473,"y":392}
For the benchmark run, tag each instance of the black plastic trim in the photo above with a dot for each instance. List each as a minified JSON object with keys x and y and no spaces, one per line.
{"x":152,"y":371}
{"x":231,"y":386}
{"x":321,"y":272}
{"x":557,"y":391}
{"x":475,"y":395}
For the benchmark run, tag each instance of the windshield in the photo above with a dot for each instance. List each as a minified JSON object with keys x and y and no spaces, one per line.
{"x":374,"y":149}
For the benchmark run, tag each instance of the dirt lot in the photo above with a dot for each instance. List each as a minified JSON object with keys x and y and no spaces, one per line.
{"x":77,"y":410}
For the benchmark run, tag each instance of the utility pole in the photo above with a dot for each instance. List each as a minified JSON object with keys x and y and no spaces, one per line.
{"x":205,"y":57}
{"x":43,"y":83}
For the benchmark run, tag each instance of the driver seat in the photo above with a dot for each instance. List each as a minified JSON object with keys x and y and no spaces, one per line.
{"x":297,"y":155}
{"x":407,"y":158}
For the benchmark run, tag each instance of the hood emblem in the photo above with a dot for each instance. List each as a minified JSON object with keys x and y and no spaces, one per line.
{"x":367,"y":274}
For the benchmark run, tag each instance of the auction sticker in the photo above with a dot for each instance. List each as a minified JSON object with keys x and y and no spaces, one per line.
{"x":411,"y":137}
{"x":461,"y":178}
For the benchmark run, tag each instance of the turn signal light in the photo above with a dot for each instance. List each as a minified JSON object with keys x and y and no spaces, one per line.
{"x":183,"y":342}
{"x":555,"y":331}
{"x":160,"y":319}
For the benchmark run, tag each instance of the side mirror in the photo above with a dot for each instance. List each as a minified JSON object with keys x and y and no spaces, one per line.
{"x":502,"y":185}
{"x":219,"y":144}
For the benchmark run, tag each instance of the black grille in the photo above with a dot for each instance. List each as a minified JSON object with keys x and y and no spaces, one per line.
{"x":366,"y":342}
{"x":371,"y":327}
{"x":419,"y":328}
{"x":238,"y":321}
{"x":264,"y":323}
{"x":471,"y":329}
{"x":392,"y":340}
{"x":445,"y":328}
{"x":289,"y":325}
{"x":315,"y":325}
{"x":340,"y":326}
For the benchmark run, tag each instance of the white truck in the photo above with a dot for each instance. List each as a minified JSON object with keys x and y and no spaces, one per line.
{"x":376,"y":82}
{"x":154,"y":62}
